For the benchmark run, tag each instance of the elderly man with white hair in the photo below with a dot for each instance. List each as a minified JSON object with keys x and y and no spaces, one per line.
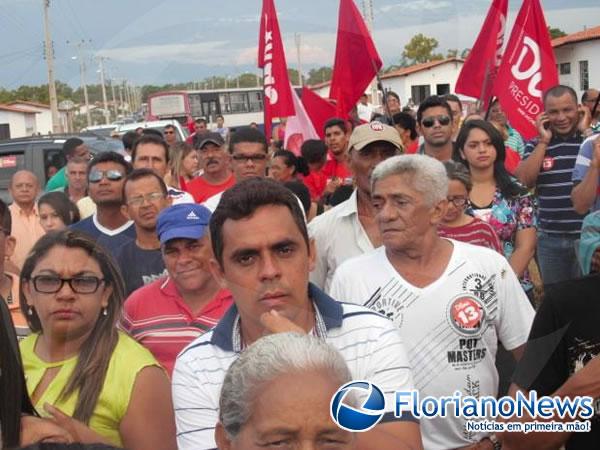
{"x":452,"y":301}
{"x":258,"y":409}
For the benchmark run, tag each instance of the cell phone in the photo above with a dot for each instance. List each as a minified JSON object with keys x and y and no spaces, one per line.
{"x":547,"y":125}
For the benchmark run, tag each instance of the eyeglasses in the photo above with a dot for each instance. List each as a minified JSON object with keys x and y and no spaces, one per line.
{"x":459,"y":202}
{"x":96,"y":176}
{"x":253,"y":158}
{"x":49,"y":284}
{"x":168,"y":132}
{"x":150,"y":198}
{"x":428,"y":122}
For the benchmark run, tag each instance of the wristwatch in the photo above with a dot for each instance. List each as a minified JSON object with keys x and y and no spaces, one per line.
{"x":496,"y":444}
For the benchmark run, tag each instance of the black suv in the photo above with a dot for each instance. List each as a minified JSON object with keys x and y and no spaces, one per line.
{"x":39,"y":153}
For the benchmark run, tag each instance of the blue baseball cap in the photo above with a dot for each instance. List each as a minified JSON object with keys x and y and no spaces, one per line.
{"x":186,"y":220}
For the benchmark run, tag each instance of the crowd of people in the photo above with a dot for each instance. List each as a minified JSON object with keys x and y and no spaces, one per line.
{"x":216,"y":293}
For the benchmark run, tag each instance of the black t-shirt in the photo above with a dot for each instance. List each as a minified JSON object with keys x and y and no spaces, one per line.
{"x":565,"y":336}
{"x":138,"y":266}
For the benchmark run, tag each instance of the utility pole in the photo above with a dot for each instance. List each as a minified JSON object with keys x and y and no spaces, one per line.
{"x":368,"y":15}
{"x":114,"y":100}
{"x":49,"y":50}
{"x":298,"y":39}
{"x":121,"y":98}
{"x":83,"y":83}
{"x":104,"y":100}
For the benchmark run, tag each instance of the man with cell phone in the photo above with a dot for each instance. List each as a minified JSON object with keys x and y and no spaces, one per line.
{"x":548,"y":165}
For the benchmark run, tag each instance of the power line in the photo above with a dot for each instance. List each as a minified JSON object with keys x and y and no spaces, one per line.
{"x":85,"y":37}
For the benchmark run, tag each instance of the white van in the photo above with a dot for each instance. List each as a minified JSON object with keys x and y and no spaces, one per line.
{"x":159,"y":125}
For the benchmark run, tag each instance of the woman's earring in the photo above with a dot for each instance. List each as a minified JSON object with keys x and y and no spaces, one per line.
{"x":105,"y":312}
{"x":30,"y":311}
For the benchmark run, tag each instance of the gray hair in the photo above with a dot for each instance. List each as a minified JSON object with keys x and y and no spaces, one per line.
{"x":265,"y":360}
{"x":428,"y":175}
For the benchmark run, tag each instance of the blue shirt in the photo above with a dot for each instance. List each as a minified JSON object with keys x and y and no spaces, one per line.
{"x":582,"y":164}
{"x":554,"y":184}
{"x":111,"y":240}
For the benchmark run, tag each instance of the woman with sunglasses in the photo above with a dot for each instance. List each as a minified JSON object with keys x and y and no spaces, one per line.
{"x":497,"y":198}
{"x":93,"y":380}
{"x":457,"y":224}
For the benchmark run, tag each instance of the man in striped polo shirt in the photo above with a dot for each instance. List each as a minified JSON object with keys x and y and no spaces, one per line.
{"x":263,"y":255}
{"x":167,"y":314}
{"x":548,"y":166}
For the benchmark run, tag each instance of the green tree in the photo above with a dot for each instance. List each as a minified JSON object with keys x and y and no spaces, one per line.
{"x":294,"y":76}
{"x":452,"y":53}
{"x":555,"y":32}
{"x":420,"y":49}
{"x":320,"y":75}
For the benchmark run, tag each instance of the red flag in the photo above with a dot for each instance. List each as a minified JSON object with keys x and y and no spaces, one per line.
{"x":356,"y":59}
{"x":318,"y":109}
{"x":476,"y":79}
{"x":277,"y":100}
{"x":528,"y":69}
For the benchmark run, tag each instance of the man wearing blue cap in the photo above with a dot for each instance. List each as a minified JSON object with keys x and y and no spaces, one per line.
{"x":168,"y":314}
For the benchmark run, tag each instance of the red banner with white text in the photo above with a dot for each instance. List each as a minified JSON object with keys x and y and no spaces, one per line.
{"x":278,"y":101}
{"x":528,"y":69}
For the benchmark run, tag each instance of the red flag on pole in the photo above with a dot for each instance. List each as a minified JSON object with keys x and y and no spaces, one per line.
{"x":277,"y":100}
{"x":476,"y":79}
{"x":356,"y":59}
{"x":528,"y":69}
{"x":318,"y":109}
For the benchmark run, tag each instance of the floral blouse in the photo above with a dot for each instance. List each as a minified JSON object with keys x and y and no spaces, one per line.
{"x":507,"y":216}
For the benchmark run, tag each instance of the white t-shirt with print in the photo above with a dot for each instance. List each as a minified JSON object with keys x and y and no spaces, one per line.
{"x":450,"y":328}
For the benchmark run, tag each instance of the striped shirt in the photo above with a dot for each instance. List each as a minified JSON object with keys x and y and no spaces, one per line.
{"x":158,"y":318}
{"x":476,"y":232}
{"x":582,"y":164}
{"x":370,"y":344}
{"x":554,"y":184}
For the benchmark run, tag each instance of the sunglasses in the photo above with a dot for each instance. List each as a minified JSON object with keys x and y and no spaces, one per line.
{"x":168,"y":132}
{"x":253,"y":158}
{"x":428,"y":122}
{"x":96,"y":176}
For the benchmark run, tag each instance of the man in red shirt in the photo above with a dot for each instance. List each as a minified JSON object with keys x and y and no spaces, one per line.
{"x":166,"y":315}
{"x":201,"y":129}
{"x":217,"y":176}
{"x":336,"y":169}
{"x":314,"y":152}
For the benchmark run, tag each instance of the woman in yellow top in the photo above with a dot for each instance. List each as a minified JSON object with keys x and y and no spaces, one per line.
{"x":94,"y":381}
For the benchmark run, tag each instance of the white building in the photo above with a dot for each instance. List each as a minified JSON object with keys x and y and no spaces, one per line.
{"x":418,"y":82}
{"x":415,"y":82}
{"x":16,"y":122}
{"x":578,"y":59}
{"x":43,"y":117}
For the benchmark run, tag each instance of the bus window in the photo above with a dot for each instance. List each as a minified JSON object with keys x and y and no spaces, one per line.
{"x":255,"y":101}
{"x":239,"y":102}
{"x":224,"y":102}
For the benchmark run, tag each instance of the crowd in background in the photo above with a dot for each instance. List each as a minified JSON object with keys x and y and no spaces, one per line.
{"x":139,"y":285}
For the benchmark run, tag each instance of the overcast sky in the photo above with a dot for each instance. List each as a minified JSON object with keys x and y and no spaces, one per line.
{"x":161,"y":41}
